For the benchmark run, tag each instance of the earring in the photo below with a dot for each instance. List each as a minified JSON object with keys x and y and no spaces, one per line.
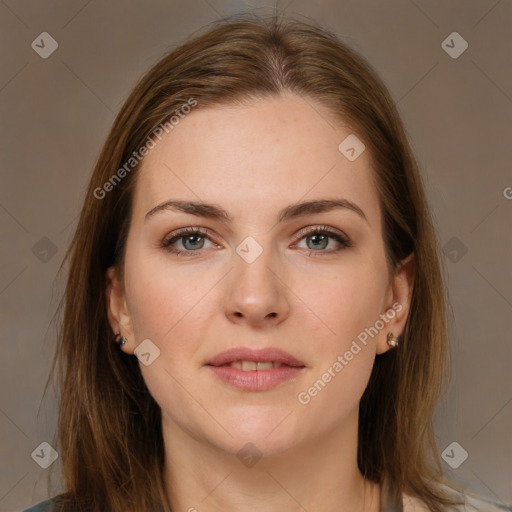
{"x":392,"y":341}
{"x":120,"y":342}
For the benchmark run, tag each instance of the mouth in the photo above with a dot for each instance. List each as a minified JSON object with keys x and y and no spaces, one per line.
{"x":248,"y":359}
{"x":255,"y":370}
{"x":247,"y":366}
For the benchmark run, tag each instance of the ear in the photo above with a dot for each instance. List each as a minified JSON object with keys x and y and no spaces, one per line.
{"x":117,"y":309}
{"x":398,"y":302}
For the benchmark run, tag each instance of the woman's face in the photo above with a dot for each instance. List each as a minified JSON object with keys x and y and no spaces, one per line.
{"x":257,"y":276}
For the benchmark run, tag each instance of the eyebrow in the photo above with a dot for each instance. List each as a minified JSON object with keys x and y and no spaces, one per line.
{"x":212,"y":211}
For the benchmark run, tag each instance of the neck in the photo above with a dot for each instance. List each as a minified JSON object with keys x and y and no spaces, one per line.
{"x":314,"y":476}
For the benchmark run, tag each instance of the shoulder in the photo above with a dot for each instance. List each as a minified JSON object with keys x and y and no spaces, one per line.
{"x":479,"y":504}
{"x":471,"y":503}
{"x":43,"y":506}
{"x":412,"y":504}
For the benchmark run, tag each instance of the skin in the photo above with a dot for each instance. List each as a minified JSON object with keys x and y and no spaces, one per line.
{"x":254,"y":160}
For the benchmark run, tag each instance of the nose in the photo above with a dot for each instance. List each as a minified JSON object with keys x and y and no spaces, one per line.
{"x":257,"y":295}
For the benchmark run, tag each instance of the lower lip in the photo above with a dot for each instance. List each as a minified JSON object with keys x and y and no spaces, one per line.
{"x":256,"y":380}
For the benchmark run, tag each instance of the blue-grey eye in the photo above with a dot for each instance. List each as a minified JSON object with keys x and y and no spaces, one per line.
{"x":193,"y":241}
{"x":319,"y":241}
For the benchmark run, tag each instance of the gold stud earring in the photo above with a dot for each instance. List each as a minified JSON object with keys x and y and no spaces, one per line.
{"x":392,"y":341}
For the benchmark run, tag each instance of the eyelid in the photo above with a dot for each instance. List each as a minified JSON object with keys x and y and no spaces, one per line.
{"x":189,"y":229}
{"x":320,"y":228}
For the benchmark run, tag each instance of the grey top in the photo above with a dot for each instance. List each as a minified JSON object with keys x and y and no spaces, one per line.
{"x":473,"y":504}
{"x":43,"y":506}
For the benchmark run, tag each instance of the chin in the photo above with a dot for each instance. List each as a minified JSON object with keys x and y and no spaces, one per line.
{"x":243,"y":447}
{"x":265,"y":430}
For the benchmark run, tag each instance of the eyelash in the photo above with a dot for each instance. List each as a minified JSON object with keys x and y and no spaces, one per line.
{"x":317,"y":230}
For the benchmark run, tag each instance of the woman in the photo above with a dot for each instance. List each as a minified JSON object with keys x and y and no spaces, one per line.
{"x":254,"y":312}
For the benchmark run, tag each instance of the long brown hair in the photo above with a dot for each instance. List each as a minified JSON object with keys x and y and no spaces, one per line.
{"x":109,"y":426}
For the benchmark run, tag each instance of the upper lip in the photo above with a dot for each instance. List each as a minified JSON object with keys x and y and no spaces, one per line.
{"x":257,"y":355}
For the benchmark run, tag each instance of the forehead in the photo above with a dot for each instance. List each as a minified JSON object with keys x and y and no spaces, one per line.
{"x":256,"y":157}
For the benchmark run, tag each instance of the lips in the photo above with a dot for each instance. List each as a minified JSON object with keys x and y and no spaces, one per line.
{"x":247,"y":357}
{"x":255,"y":370}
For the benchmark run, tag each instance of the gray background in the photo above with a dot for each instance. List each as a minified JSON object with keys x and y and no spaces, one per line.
{"x":56,"y":113}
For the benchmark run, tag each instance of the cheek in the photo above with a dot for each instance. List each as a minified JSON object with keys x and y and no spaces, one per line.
{"x":345,"y":347}
{"x":343,"y":304}
{"x":336,"y":391}
{"x":162,"y":298}
{"x":166,"y":306}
